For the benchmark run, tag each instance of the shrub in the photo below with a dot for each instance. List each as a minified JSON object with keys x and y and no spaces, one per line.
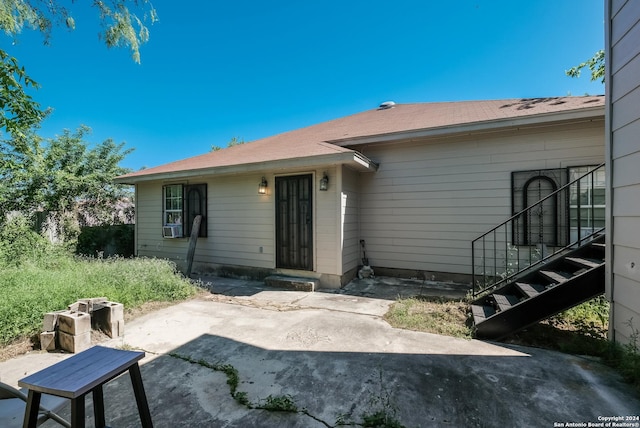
{"x":19,"y":242}
{"x":30,"y":290}
{"x":106,"y":240}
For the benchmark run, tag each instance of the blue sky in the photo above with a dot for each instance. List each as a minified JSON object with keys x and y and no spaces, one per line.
{"x":216,"y":70}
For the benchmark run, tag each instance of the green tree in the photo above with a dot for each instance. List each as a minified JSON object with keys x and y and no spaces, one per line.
{"x":18,"y":111}
{"x":595,"y":65}
{"x":121,"y":27}
{"x":123,"y":21}
{"x":57,"y":175}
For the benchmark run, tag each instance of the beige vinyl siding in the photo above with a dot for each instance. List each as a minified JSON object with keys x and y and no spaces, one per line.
{"x":240,"y":222}
{"x":429,"y":199}
{"x":149,"y":241}
{"x":350,"y":235}
{"x":326,"y":229}
{"x":623,"y":128}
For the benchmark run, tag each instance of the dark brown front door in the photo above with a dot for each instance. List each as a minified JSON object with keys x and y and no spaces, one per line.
{"x":294,"y":220}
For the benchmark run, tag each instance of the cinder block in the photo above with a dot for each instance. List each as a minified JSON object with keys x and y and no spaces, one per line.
{"x":90,"y":304}
{"x":75,"y":323}
{"x":86,"y":305}
{"x":48,"y":341}
{"x":116,"y":311}
{"x":50,"y":321}
{"x":109,"y":319}
{"x":114,"y":329}
{"x":74,"y":343}
{"x":109,"y":311}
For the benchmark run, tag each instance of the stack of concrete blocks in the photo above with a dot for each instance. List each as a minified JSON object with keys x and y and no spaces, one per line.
{"x":70,"y":330}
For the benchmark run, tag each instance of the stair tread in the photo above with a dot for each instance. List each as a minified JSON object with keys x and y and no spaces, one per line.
{"x":554,"y":276}
{"x":584,"y":262}
{"x":481,"y":312}
{"x":505,"y":301}
{"x":530,"y":290}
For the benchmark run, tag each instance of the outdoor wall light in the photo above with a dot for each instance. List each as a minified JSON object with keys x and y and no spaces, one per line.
{"x":262,"y":187}
{"x":324,"y":182}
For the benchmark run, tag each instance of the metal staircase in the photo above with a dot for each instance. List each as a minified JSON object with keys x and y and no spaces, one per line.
{"x":560,"y":283}
{"x":547,"y":258}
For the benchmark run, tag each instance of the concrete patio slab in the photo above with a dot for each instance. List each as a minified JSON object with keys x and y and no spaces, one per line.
{"x":334,"y":357}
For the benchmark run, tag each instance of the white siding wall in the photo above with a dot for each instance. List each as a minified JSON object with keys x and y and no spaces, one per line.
{"x":326,"y":224}
{"x":241,"y":223}
{"x":429,"y":199}
{"x":149,"y":241}
{"x":350,"y":236}
{"x":623,"y":129}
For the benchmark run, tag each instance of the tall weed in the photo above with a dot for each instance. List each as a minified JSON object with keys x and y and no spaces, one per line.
{"x":38,"y":277}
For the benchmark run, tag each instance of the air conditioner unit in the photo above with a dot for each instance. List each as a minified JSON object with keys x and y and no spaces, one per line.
{"x":171,"y":231}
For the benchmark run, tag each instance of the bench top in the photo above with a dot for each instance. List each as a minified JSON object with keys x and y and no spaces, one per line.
{"x":82,"y":372}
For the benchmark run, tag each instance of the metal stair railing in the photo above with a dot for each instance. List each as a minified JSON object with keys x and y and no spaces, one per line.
{"x":539,"y":232}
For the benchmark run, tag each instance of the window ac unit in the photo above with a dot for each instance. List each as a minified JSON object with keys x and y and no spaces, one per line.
{"x":171,"y":232}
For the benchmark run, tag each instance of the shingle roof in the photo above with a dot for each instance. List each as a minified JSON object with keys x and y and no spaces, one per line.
{"x":329,"y":138}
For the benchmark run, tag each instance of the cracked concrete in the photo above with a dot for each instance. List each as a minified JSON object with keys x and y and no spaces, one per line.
{"x":338,"y":360}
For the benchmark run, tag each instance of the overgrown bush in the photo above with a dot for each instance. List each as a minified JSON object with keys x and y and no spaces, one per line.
{"x":29,"y":291}
{"x":106,"y":240}
{"x":626,"y":358}
{"x":37,"y":276}
{"x":20,"y":243}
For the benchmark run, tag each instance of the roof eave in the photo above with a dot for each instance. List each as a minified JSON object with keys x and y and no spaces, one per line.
{"x":352,"y":159}
{"x":467,"y":128}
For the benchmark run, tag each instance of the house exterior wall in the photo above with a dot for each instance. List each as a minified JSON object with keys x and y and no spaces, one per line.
{"x":241,"y":227}
{"x":623,"y":157}
{"x":350,"y":224}
{"x":429,"y":199}
{"x":327,"y":229}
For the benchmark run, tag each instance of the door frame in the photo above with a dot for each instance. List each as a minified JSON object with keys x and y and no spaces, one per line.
{"x":312,"y":223}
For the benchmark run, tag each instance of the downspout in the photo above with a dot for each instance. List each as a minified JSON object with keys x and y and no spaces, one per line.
{"x":135,"y":220}
{"x":608,"y":144}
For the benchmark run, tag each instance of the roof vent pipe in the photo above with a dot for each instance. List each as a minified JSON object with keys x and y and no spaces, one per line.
{"x":386,"y":105}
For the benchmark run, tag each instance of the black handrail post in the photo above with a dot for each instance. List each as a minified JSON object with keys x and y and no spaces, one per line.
{"x":514,"y":242}
{"x":473,"y":268}
{"x":592,"y":200}
{"x":484,"y":263}
{"x":506,"y":250}
{"x":495,"y":256}
{"x":578,"y":215}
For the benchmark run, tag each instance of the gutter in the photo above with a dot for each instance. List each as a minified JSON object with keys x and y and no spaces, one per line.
{"x":351,"y":158}
{"x":486,"y":126}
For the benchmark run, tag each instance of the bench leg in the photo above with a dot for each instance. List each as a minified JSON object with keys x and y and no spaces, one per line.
{"x":32,"y":410}
{"x":98,"y":407}
{"x":141,"y":398}
{"x":77,"y":412}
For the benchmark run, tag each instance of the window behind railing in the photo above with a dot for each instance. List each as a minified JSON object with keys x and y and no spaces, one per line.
{"x":563,"y":218}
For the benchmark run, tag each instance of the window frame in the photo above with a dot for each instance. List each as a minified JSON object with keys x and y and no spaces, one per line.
{"x":189,"y":207}
{"x":566,"y":209}
{"x":520,"y":182}
{"x":583,"y":206}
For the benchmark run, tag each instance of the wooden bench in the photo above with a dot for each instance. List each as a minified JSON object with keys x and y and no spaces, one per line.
{"x":80,"y":374}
